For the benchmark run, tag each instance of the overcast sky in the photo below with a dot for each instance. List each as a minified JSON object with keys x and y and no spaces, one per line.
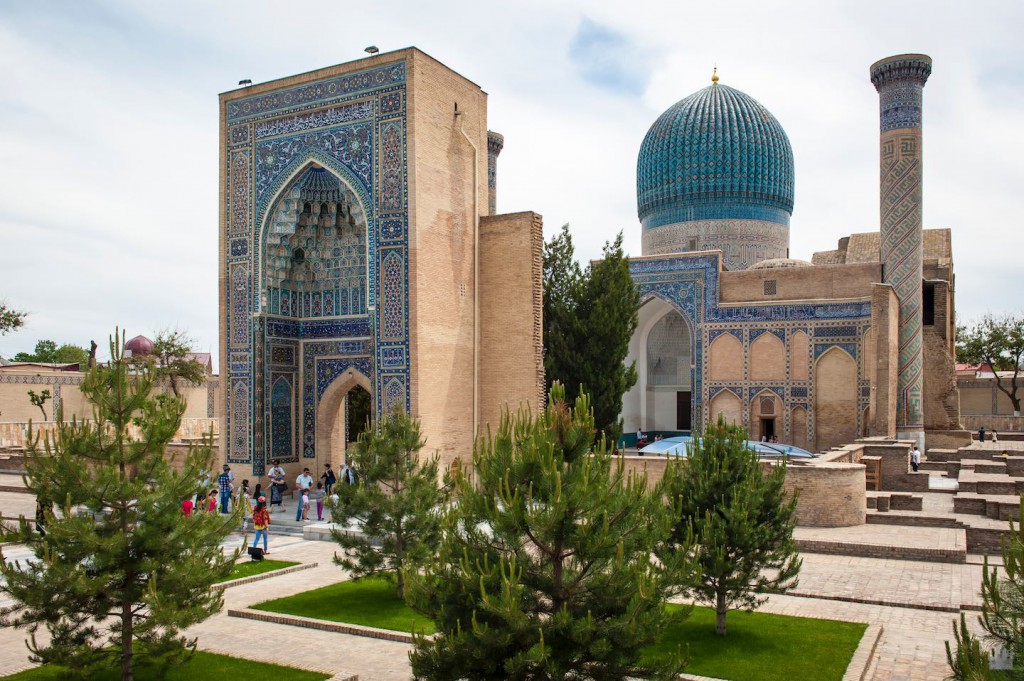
{"x":108,"y":127}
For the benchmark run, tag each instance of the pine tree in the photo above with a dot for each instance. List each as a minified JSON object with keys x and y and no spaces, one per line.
{"x":545,"y":570}
{"x":119,"y":571}
{"x":1002,"y":615}
{"x":396,"y":501}
{"x":739,"y":518}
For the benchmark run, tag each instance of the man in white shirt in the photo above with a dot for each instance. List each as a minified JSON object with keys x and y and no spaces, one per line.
{"x":915,"y":458}
{"x":303,"y":483}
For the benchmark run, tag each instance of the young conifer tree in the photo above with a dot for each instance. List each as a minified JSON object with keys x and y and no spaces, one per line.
{"x":738,"y":515}
{"x":120,"y":570}
{"x":396,"y":501}
{"x":545,"y":570}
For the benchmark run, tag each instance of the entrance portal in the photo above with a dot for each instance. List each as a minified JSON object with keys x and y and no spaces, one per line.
{"x":332,"y":426}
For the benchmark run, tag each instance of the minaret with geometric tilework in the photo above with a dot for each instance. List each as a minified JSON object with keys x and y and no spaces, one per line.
{"x":900,"y":83}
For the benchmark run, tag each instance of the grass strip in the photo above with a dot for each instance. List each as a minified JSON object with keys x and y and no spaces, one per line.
{"x":367,"y":602}
{"x":761,"y":646}
{"x":201,"y":666}
{"x":258,"y":567}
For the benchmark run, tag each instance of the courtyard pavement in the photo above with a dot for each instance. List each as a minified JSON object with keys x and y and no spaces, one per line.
{"x":911,"y":648}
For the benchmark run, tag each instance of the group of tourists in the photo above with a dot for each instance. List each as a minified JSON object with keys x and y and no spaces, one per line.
{"x":255,"y":503}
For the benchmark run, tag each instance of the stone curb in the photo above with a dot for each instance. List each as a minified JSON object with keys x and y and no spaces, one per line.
{"x":264,"y":575}
{"x":321,"y":625}
{"x":865,"y":653}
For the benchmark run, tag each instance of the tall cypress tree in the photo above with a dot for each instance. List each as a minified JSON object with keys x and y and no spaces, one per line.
{"x":120,"y":570}
{"x":545,"y":570}
{"x":589,"y":319}
{"x":396,"y":501}
{"x":740,"y":519}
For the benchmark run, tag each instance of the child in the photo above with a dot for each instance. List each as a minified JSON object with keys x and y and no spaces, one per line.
{"x":305,"y":504}
{"x":261,"y":523}
{"x":200,"y":504}
{"x":187,"y":506}
{"x":212,"y":504}
{"x":320,"y":494}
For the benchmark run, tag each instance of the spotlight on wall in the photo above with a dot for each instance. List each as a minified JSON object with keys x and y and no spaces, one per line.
{"x":245,"y":82}
{"x":371,"y":50}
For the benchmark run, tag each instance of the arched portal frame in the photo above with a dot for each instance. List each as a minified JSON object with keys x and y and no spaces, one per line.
{"x":653,"y":308}
{"x":286,"y":180}
{"x":330,"y":416}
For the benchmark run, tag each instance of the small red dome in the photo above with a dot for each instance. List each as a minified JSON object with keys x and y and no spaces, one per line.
{"x":140,"y":345}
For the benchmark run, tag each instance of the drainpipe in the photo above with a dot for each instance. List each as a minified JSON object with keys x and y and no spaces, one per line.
{"x":476,"y":272}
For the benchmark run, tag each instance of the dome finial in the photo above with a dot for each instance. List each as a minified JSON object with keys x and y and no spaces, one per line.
{"x":714,"y":74}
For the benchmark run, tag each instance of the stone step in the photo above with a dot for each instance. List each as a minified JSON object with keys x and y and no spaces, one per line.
{"x":997,"y":507}
{"x":864,"y":550}
{"x":910,"y":519}
{"x":896,"y":501}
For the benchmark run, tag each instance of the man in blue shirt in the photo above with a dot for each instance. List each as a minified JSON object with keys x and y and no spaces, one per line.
{"x":224,"y":483}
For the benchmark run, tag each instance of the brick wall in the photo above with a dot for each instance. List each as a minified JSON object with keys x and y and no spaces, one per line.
{"x":511,"y":306}
{"x":441,"y":245}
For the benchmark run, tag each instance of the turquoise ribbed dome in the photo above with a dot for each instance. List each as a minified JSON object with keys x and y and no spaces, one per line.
{"x":717,"y":154}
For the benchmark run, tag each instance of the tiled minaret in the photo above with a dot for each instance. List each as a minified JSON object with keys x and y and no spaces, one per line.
{"x":900,"y":83}
{"x":495,"y":143}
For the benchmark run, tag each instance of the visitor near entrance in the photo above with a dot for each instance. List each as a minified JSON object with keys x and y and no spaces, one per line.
{"x":328,"y":478}
{"x":277,"y":485}
{"x":225,"y":487}
{"x":303,"y":483}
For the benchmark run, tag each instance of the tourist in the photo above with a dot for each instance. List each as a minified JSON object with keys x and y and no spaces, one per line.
{"x":245,"y":503}
{"x":261,"y":523}
{"x":304,"y":504}
{"x":200,"y":504}
{"x":328,"y":478}
{"x":915,"y":458}
{"x":187,"y":505}
{"x":348,"y":475}
{"x":42,"y":508}
{"x":212,"y":506}
{"x":303,"y":484}
{"x":225,"y":487}
{"x":981,"y":433}
{"x":258,"y":491}
{"x":321,"y":492}
{"x":277,"y":486}
{"x":775,"y":439}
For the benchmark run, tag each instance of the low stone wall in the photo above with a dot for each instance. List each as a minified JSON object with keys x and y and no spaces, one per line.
{"x":895,"y":468}
{"x":973,"y":422}
{"x":829,"y":493}
{"x":15,"y":433}
{"x":946,"y":439}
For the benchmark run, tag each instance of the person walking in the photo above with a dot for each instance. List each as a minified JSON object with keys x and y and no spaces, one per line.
{"x":261,"y":523}
{"x":277,"y":486}
{"x":303,"y":483}
{"x":224,"y":484}
{"x":321,"y":492}
{"x":187,"y":505}
{"x":328,"y":478}
{"x":915,"y":458}
{"x":244,"y":502}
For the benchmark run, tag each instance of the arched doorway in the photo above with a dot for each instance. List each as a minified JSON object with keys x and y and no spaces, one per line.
{"x":333,"y":429}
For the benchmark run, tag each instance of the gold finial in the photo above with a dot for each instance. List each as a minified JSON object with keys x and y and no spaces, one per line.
{"x":714,"y":74}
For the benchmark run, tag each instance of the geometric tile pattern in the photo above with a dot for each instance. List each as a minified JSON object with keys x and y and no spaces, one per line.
{"x":900,"y":84}
{"x":303,"y":301}
{"x":715,"y":154}
{"x":690,"y":284}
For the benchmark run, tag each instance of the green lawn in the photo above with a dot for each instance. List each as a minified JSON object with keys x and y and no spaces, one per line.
{"x":369,"y":602}
{"x":763,"y":647}
{"x":249,"y":568}
{"x":201,"y":666}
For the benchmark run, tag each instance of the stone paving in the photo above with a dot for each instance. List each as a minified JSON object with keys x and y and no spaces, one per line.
{"x":911,"y":647}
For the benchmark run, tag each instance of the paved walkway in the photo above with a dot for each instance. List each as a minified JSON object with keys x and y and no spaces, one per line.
{"x":911,"y":647}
